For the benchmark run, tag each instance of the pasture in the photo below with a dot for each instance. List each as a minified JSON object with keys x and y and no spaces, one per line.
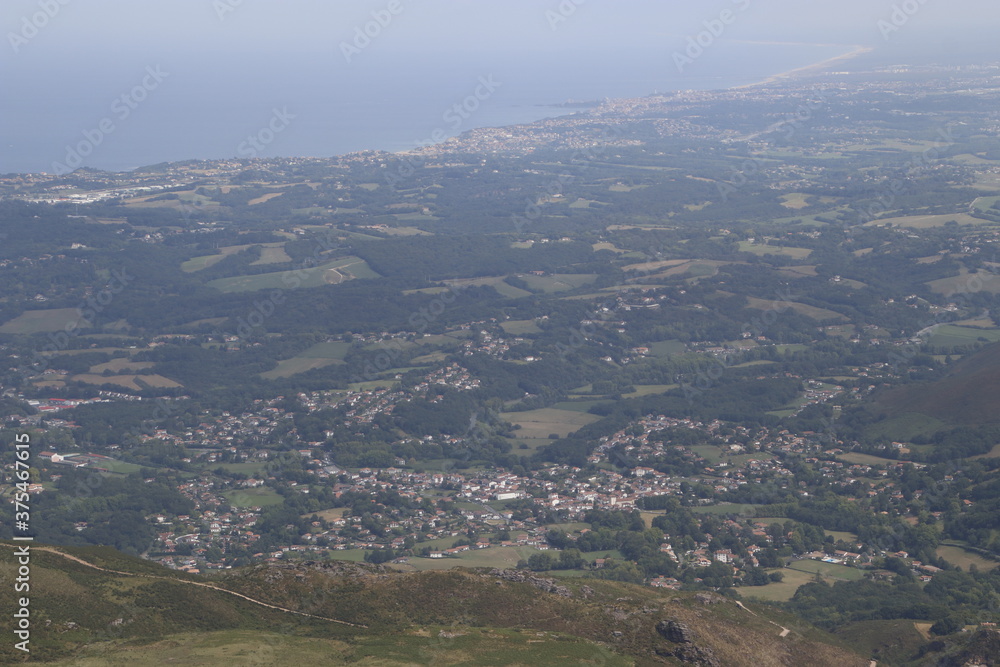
{"x":540,"y":423}
{"x":827,"y":570}
{"x":520,"y":327}
{"x":260,"y":497}
{"x":558,"y":282}
{"x":956,"y":555}
{"x":330,"y":273}
{"x":927,"y":221}
{"x":43,"y":321}
{"x":762,"y":249}
{"x":950,"y":335}
{"x":813,"y":312}
{"x":496,"y":282}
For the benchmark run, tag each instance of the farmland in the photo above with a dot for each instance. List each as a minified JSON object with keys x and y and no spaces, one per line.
{"x":42,"y":321}
{"x":540,"y":423}
{"x":330,"y":273}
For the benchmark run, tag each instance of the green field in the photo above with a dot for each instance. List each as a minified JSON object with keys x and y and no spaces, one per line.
{"x":906,"y":426}
{"x":804,"y":309}
{"x":762,"y":249}
{"x":135,"y":382}
{"x":540,"y":423}
{"x":725,"y":508}
{"x":331,"y":273}
{"x":827,"y":570}
{"x":865,"y":459}
{"x":329,"y":350}
{"x":842,"y":535}
{"x":120,"y":467}
{"x":502,"y":557}
{"x":795,"y":200}
{"x":559,"y":282}
{"x":121,"y":365}
{"x":778,"y":592}
{"x":949,"y":335}
{"x":198,"y":263}
{"x":928,"y":221}
{"x":262,"y":497}
{"x":983,"y":281}
{"x":496,"y":282}
{"x":43,"y":321}
{"x":579,"y":406}
{"x":244,"y":468}
{"x":447,"y":646}
{"x":667,"y":348}
{"x":288,"y":367}
{"x":956,"y":555}
{"x":272,"y":253}
{"x":649,"y":390}
{"x":520,"y":327}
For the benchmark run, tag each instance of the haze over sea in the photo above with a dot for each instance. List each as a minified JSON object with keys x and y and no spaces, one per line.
{"x":206,"y":107}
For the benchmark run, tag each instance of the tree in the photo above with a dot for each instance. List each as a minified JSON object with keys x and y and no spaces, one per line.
{"x":948,"y":625}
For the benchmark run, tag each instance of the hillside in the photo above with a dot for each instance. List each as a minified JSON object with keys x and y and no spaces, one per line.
{"x":967,"y":395}
{"x":131,"y":613}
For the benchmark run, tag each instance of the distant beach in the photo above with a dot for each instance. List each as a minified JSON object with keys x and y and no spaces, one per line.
{"x":855,"y":51}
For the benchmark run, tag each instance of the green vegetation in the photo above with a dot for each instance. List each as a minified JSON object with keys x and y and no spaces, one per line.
{"x":330,"y":273}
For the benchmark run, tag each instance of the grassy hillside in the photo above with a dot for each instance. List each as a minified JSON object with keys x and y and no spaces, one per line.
{"x":141,"y":614}
{"x":969,"y":394}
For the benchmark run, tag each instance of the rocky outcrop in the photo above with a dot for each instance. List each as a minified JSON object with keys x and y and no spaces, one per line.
{"x":685,"y":649}
{"x":521,"y":577}
{"x":675,"y":632}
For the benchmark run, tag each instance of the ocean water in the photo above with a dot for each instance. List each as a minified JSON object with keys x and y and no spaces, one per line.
{"x":119,"y":114}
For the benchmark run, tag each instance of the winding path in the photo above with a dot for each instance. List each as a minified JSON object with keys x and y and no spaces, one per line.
{"x":189,"y":583}
{"x":784,"y":631}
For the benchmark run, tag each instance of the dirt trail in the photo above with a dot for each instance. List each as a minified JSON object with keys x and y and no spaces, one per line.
{"x":189,"y":583}
{"x":784,"y":631}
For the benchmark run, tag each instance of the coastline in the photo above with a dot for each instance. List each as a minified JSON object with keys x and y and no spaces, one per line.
{"x":857,"y":50}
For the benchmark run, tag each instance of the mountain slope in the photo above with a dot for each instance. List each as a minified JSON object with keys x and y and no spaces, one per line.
{"x":139,"y":614}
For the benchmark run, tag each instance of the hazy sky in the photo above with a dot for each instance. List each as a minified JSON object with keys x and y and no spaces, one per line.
{"x":231,"y":63}
{"x":151,"y":27}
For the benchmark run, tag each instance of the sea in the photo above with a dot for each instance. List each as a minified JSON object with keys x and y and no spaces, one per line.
{"x":119,"y":114}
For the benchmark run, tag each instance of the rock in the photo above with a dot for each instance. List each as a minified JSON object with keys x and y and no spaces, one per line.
{"x":708,"y":598}
{"x":686,"y":651}
{"x":694,"y":655}
{"x":519,"y":576}
{"x":675,"y":632}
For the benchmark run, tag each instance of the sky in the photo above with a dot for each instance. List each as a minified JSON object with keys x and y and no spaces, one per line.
{"x":318,"y":26}
{"x":230,"y":64}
